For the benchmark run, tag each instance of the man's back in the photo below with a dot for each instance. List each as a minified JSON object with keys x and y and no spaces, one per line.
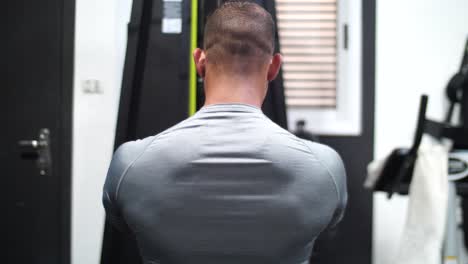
{"x":225,"y":186}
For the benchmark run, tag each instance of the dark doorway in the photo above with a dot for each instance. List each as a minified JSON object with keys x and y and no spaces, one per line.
{"x":35,"y":138}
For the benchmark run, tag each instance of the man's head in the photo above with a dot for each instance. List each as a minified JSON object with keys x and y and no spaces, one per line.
{"x":239,"y":40}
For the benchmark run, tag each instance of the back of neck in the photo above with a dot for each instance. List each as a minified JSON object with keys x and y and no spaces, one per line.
{"x":225,"y":90}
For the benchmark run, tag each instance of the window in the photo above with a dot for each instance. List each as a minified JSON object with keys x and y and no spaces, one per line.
{"x":308,"y":42}
{"x":320,"y":41}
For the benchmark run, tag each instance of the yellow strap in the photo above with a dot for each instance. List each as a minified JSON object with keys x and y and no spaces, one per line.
{"x":192,"y":71}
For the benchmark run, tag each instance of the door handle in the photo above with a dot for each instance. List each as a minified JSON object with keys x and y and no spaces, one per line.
{"x":39,"y":150}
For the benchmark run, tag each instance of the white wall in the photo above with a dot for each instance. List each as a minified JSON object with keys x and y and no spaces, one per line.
{"x":419,"y":47}
{"x":100,"y":38}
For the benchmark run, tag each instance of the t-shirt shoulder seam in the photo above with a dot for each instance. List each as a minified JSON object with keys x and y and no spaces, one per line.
{"x":335,"y":185}
{"x":124,"y":173}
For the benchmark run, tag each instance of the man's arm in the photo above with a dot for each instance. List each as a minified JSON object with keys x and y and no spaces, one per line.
{"x":333,"y":163}
{"x":123,"y":159}
{"x":338,"y":173}
{"x":115,"y":174}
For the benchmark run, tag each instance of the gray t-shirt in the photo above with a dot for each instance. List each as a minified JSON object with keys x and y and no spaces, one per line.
{"x":227,"y":185}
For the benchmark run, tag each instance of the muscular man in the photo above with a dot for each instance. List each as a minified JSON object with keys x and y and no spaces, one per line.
{"x":227,"y":185}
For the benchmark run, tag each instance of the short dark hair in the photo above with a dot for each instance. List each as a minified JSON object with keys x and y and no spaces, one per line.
{"x":239,"y":31}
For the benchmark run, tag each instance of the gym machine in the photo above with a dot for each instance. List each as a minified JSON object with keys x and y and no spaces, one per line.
{"x":160,"y":87}
{"x":397,"y":172}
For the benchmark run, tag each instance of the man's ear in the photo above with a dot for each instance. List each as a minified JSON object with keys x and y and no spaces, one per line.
{"x":199,"y":57}
{"x":274,"y":67}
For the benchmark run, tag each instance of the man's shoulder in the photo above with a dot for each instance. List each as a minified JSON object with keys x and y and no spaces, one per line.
{"x":322,"y":151}
{"x":309,"y":154}
{"x":129,"y":152}
{"x":326,"y":156}
{"x":123,"y":158}
{"x":132,"y":147}
{"x":282,"y":137}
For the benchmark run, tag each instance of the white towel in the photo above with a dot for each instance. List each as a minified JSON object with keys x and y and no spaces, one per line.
{"x":423,"y":233}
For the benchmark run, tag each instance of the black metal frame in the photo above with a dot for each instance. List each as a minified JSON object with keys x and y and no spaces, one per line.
{"x":438,"y":130}
{"x":402,"y":161}
{"x":135,"y":60}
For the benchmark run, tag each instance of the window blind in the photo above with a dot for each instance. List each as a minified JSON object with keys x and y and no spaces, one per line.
{"x":307,"y":32}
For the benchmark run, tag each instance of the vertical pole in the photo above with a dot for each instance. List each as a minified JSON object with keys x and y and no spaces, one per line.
{"x":193,"y":45}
